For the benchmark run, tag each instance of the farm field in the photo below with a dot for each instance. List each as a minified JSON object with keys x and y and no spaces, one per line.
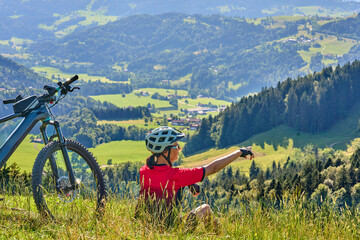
{"x":120,"y":152}
{"x":329,"y":45}
{"x":49,"y":71}
{"x":131,"y":100}
{"x":162,"y":91}
{"x":25,"y":154}
{"x":91,"y":17}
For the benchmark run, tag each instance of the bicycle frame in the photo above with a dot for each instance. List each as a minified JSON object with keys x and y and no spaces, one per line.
{"x":22,"y":130}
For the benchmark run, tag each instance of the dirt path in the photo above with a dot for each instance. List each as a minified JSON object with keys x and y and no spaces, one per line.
{"x":323,"y":50}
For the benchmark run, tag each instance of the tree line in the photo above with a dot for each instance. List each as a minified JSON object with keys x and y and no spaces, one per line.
{"x":312,"y":103}
{"x":215,"y":49}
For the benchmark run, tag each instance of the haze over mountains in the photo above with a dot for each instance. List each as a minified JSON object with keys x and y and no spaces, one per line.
{"x":40,"y":19}
{"x":224,"y":56}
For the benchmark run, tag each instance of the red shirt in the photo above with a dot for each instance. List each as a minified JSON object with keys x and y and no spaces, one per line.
{"x":164,"y":181}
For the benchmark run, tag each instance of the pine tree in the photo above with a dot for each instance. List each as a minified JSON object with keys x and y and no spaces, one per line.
{"x":342,"y":179}
{"x":253,"y":171}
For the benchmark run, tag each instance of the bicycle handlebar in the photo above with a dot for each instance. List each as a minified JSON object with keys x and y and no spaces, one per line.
{"x":71,"y":80}
{"x":62,"y":89}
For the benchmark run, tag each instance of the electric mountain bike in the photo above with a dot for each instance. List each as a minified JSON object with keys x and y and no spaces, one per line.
{"x":66,"y":177}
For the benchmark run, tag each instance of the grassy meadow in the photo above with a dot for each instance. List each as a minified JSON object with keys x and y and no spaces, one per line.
{"x":120,"y":152}
{"x":25,"y":154}
{"x":293,"y":220}
{"x":134,"y":99}
{"x":49,"y":71}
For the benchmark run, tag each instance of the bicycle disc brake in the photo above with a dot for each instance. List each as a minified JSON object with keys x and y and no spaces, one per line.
{"x":65,"y":192}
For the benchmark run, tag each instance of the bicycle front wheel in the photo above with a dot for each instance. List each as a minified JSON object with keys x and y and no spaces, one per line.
{"x":53,"y":193}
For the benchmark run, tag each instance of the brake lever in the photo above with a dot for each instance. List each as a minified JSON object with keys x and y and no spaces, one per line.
{"x":71,"y":90}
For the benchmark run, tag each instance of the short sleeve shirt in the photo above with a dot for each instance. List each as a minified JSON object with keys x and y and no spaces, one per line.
{"x":164,"y":181}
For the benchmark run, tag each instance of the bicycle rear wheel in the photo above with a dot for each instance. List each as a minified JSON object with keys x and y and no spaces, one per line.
{"x":51,"y":185}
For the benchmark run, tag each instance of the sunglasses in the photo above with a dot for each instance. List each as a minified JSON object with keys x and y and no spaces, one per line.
{"x":176,"y":147}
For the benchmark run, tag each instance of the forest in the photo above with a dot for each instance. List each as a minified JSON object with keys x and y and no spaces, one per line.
{"x":309,"y":104}
{"x":216,"y":50}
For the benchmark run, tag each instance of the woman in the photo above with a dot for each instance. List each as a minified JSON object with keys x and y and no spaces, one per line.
{"x":161,"y":184}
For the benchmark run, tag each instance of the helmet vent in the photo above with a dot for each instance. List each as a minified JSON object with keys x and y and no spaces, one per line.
{"x":162,"y":139}
{"x":157,"y":148}
{"x":152,"y":139}
{"x":171,"y":138}
{"x":150,"y":145}
{"x":164,"y":132}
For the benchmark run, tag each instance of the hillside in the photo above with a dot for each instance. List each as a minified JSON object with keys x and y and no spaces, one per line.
{"x":37,"y":19}
{"x":220,"y":56}
{"x":218,"y":53}
{"x":309,"y":104}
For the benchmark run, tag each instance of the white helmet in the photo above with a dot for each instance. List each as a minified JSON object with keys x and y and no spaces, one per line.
{"x":158,"y":139}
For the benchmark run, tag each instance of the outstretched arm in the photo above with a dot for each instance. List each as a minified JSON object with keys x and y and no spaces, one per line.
{"x":222,"y":162}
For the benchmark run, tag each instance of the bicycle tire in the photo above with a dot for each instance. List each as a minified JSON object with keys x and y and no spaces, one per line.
{"x":92,"y":186}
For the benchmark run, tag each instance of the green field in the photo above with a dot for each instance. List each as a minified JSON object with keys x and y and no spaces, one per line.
{"x":25,"y":154}
{"x":131,"y":100}
{"x":280,"y":142}
{"x":329,"y":45}
{"x":50,"y":71}
{"x":135,"y":100}
{"x":127,"y":123}
{"x":162,"y":91}
{"x":99,"y":17}
{"x":120,"y":152}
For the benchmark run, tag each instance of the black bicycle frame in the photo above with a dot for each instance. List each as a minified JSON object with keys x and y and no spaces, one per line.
{"x":22,"y":130}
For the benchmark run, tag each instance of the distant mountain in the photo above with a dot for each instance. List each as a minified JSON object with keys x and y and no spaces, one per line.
{"x":348,"y":27}
{"x":216,"y":51}
{"x":39,"y":19}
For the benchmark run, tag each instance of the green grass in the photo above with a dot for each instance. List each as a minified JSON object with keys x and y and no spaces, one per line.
{"x":280,"y":142}
{"x":131,"y":100}
{"x":126,"y":123}
{"x":182,"y":80}
{"x":162,"y":91}
{"x":98,"y":17}
{"x":18,"y":220}
{"x":120,"y":152}
{"x":49,"y":71}
{"x":25,"y":154}
{"x":134,"y":100}
{"x":329,"y":45}
{"x":189,"y":20}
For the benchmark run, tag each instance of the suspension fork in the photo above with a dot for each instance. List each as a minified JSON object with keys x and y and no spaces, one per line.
{"x":63,"y":150}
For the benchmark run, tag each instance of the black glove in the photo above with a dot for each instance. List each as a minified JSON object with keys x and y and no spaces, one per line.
{"x":245,"y":152}
{"x":194,"y":189}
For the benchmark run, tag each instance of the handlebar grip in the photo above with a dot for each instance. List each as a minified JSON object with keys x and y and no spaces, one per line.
{"x":7,"y":101}
{"x":14,"y":100}
{"x":71,"y":80}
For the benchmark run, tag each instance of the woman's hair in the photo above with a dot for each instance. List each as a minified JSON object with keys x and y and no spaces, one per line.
{"x":150,"y":161}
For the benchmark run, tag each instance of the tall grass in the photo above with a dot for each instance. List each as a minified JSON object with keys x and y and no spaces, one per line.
{"x":292,"y":218}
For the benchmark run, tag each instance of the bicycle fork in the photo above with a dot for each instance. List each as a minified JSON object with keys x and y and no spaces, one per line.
{"x":63,"y":150}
